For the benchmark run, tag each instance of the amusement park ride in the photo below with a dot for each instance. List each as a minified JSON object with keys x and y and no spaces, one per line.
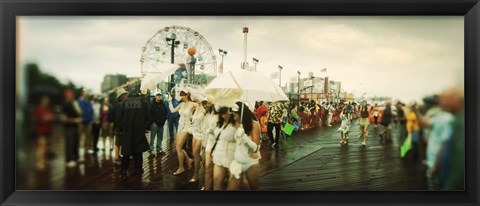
{"x":181,"y":46}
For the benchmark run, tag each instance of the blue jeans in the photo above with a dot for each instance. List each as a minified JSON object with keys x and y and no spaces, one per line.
{"x":172,"y":121}
{"x":158,"y":131}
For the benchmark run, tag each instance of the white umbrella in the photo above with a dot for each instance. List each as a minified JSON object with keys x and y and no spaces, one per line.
{"x":253,"y":86}
{"x":151,"y":79}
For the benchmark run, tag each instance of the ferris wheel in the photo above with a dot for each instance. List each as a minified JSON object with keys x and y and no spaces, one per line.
{"x":182,"y":40}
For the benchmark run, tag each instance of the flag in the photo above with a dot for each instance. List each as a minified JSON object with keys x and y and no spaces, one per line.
{"x":274,"y":75}
{"x":324,"y":70}
{"x":220,"y":68}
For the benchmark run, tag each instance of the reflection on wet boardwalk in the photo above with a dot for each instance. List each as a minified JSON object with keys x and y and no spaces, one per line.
{"x":309,"y":160}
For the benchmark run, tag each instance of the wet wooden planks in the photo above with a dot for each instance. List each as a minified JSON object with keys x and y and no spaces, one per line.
{"x":308,"y":160}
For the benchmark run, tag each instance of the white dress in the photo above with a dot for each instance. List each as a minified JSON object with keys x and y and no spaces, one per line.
{"x":209,"y":124}
{"x":223,"y":153}
{"x":243,"y":161}
{"x":185,"y":112}
{"x":197,"y":123}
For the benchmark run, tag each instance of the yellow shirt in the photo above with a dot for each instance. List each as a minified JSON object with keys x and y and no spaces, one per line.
{"x":412,"y":122}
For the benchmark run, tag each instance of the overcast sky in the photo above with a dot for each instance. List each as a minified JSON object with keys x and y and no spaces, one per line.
{"x":403,"y":57}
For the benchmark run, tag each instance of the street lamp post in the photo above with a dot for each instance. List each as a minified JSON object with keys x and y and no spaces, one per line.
{"x":311,"y":88}
{"x":280,"y":75}
{"x":298,"y":90}
{"x":255,"y":61}
{"x":222,"y":53}
{"x":171,"y":41}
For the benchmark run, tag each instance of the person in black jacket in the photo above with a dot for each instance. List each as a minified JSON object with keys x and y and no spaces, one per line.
{"x":158,"y":116}
{"x":135,"y":119}
{"x":386,"y":121}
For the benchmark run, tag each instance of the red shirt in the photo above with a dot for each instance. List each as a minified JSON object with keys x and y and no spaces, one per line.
{"x":43,"y":127}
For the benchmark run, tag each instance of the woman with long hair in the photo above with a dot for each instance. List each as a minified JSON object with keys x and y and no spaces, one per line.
{"x":209,"y":124}
{"x":197,"y":124}
{"x":364,"y":121}
{"x":224,"y":146}
{"x":185,"y":109}
{"x":247,"y":155}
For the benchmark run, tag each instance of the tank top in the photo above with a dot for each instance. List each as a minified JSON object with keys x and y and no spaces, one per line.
{"x":364,"y":112}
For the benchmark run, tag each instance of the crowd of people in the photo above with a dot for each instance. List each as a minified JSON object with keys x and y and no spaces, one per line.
{"x":226,"y":134}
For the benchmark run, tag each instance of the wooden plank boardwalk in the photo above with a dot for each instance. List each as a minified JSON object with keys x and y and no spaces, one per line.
{"x":308,"y":160}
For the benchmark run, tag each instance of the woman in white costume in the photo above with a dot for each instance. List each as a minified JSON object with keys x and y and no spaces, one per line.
{"x":198,"y":135}
{"x":247,"y":155}
{"x":209,"y":124}
{"x":224,"y":145}
{"x":185,"y":109}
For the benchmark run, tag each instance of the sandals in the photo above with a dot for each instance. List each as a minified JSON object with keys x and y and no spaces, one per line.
{"x":192,"y":180}
{"x":178,"y":173}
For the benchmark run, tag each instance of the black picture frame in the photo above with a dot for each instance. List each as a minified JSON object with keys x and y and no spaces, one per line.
{"x":9,"y":9}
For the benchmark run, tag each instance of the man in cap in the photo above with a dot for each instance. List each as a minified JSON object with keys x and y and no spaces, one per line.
{"x":158,"y":116}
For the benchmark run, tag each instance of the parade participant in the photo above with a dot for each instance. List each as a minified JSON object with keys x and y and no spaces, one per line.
{"x":185,"y":110}
{"x":345,"y":126}
{"x":115,"y":116}
{"x":438,"y":129}
{"x":264,"y":123}
{"x":87,"y":117}
{"x":247,"y":152}
{"x":263,"y":107}
{"x":158,"y":116}
{"x":387,"y":123}
{"x":376,"y":114}
{"x":44,"y":116}
{"x":350,"y":111}
{"x":133,"y":141}
{"x":95,"y":123}
{"x":364,"y":121}
{"x":197,"y":123}
{"x":72,"y":118}
{"x":173,"y":117}
{"x":275,"y":112}
{"x":209,"y":124}
{"x":107,"y":127}
{"x":453,"y":155}
{"x":329,"y":109}
{"x":402,"y":121}
{"x":224,"y":145}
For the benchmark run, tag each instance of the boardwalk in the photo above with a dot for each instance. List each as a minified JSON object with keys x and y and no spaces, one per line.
{"x":309,"y":160}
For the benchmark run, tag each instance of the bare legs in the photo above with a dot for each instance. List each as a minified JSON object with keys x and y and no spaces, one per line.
{"x":181,"y":139}
{"x":208,"y":171}
{"x":41,"y":150}
{"x":197,"y":144}
{"x":253,"y":177}
{"x":219,"y":173}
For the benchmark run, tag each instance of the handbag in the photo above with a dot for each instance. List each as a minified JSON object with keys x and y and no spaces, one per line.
{"x":296,"y":127}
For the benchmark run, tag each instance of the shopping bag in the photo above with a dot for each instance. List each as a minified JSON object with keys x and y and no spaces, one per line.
{"x":296,"y":127}
{"x":406,"y":146}
{"x":288,"y":129}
